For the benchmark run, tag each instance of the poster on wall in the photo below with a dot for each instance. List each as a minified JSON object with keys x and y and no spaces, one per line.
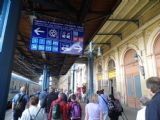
{"x":57,"y":37}
{"x":4,"y":11}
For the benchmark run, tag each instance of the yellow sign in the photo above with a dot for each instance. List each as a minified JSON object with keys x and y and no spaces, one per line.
{"x":99,"y":76}
{"x":112,"y":74}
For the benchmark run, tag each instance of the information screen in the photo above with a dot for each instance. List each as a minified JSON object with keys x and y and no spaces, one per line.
{"x":57,"y":37}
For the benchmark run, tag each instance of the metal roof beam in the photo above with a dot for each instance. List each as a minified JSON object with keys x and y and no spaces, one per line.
{"x":114,"y":20}
{"x":125,"y":20}
{"x":102,"y":43}
{"x":108,"y":44}
{"x":117,"y":34}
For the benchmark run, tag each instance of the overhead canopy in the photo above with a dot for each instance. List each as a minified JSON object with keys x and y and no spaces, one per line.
{"x":90,"y":13}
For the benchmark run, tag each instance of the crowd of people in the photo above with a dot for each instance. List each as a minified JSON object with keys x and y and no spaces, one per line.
{"x":57,"y":105}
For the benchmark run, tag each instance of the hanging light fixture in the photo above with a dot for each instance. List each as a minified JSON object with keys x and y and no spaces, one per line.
{"x":99,"y":53}
{"x":138,"y":58}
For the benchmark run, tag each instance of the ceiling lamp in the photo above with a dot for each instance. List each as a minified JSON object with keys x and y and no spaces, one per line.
{"x":99,"y":53}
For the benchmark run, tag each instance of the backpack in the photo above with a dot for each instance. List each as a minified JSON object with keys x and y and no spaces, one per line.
{"x":20,"y":104}
{"x":31,"y":117}
{"x":114,"y":108}
{"x":56,"y":112}
{"x":111,"y":106}
{"x":75,"y":111}
{"x":118,"y":106}
{"x":49,"y":98}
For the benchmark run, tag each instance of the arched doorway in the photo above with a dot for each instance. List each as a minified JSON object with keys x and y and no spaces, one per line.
{"x":157,"y":54}
{"x":99,"y":76}
{"x":132,"y":79}
{"x":112,"y":76}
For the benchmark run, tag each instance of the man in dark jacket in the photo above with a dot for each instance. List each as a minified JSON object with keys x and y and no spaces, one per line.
{"x":42,"y":97}
{"x":63,"y":108}
{"x":50,"y":97}
{"x":153,"y":108}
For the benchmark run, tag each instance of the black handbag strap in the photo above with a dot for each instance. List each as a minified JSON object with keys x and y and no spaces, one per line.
{"x":104,"y":100}
{"x":20,"y":97}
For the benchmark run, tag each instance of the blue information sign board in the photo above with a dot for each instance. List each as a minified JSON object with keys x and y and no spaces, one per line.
{"x":57,"y":37}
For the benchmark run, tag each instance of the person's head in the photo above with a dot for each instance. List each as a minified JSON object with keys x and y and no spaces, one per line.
{"x":153,"y":83}
{"x":34,"y":100}
{"x":94,"y":98}
{"x":53,"y":89}
{"x":61,"y":95}
{"x":23,"y":89}
{"x":73,"y":97}
{"x":98,"y":92}
{"x":117,"y":95}
{"x":144,"y":100}
{"x":102,"y":91}
{"x":111,"y":97}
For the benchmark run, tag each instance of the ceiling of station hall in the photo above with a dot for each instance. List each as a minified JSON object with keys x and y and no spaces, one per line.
{"x":92,"y":14}
{"x":129,"y":16}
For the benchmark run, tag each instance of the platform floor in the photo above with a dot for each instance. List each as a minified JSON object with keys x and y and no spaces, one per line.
{"x":129,"y":112}
{"x":8,"y":115}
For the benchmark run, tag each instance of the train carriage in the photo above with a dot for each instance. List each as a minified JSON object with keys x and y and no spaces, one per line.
{"x":16,"y":82}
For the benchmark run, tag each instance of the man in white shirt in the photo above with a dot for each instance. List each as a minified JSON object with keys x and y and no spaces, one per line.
{"x":141,"y":113}
{"x":33,"y":112}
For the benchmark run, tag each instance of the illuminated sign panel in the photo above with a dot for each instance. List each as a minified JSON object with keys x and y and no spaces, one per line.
{"x":99,"y":76}
{"x":56,"y":37}
{"x":112,"y":74}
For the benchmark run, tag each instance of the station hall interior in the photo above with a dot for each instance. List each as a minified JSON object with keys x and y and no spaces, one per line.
{"x":70,"y":44}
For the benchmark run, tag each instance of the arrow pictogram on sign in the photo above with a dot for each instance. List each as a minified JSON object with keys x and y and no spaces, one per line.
{"x":38,"y":31}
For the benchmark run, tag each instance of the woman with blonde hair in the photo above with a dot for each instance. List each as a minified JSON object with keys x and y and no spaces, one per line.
{"x":93,"y":110}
